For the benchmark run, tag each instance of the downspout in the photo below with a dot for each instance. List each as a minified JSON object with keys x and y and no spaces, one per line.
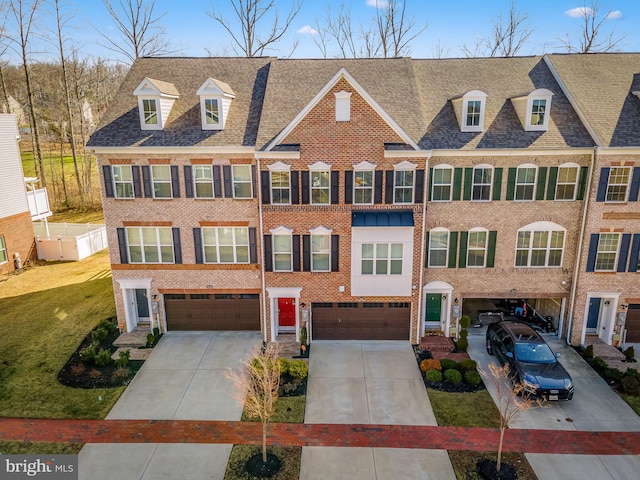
{"x":422,"y":245}
{"x":576,"y":273}
{"x":264,"y":286}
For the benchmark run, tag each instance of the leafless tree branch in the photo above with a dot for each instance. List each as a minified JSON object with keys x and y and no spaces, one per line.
{"x":591,"y":37}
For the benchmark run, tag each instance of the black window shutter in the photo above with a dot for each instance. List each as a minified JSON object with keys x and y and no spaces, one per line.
{"x":457,"y":183}
{"x":497,"y":184}
{"x":635,"y":185}
{"x":419,"y":195}
{"x":188,"y":181}
{"x":253,"y":181}
{"x":146,"y":181}
{"x":306,"y":188}
{"x":468,"y":183}
{"x":122,"y":245}
{"x":430,"y":184}
{"x":306,"y":253}
{"x":253,"y":245}
{"x":593,"y":251}
{"x":584,"y":171}
{"x":542,"y":181}
{"x":227,"y":181}
{"x":217,"y":182}
{"x":453,"y":249}
{"x":491,"y":249}
{"x":295,"y":250}
{"x":137,"y":186}
{"x":295,"y":188}
{"x":602,"y":184}
{"x":348,"y":187}
{"x":335,"y":253}
{"x":462,"y":260}
{"x":377,"y":187}
{"x":335,"y":187}
{"x":108,"y":181}
{"x":388,"y":192}
{"x":177,"y":245}
{"x":511,"y":183}
{"x":268,"y":253}
{"x":265,"y":186}
{"x":635,"y":254}
{"x":197,"y":245}
{"x":175,"y":181}
{"x":426,"y":257}
{"x":553,"y":182}
{"x":624,"y":252}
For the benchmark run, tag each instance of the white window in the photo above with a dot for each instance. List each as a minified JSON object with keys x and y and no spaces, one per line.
{"x":3,"y":251}
{"x":539,"y":248}
{"x":242,"y":182}
{"x":482,"y":178}
{"x":442,"y":183}
{"x":363,"y":187}
{"x":215,"y":101}
{"x":567,"y":184}
{"x":618,"y":185}
{"x":438,"y":248}
{"x":538,"y":108}
{"x":320,"y":188}
{"x":469,"y":109}
{"x":282,"y":253}
{"x":150,"y":111}
{"x":150,"y":244}
{"x":403,"y":186}
{"x":280,"y":187}
{"x":607,"y":252}
{"x":381,"y":259}
{"x":320,"y":253}
{"x":525,"y":182}
{"x":538,"y":111}
{"x":477,"y":248}
{"x":225,"y":244}
{"x":161,"y":176}
{"x":211,"y":112}
{"x":123,"y":181}
{"x":473,"y":113}
{"x":203,"y":181}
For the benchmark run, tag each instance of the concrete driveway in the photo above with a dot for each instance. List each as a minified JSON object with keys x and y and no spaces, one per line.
{"x":369,"y":383}
{"x":183,"y":379}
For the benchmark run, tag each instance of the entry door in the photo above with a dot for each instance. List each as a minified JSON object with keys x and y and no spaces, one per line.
{"x":593,"y":314}
{"x":434,"y":307}
{"x":287,"y":313}
{"x":142,"y":304}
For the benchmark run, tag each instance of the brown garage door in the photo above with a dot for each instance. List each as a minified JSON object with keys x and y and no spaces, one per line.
{"x":633,"y":323}
{"x":204,"y":311}
{"x":361,"y":321}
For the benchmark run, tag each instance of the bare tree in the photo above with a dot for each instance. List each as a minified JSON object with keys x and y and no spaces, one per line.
{"x":338,"y":30}
{"x":512,"y":398}
{"x":257,"y":384}
{"x":141,"y":33}
{"x":396,"y":30}
{"x":261,"y":25}
{"x":592,"y":37}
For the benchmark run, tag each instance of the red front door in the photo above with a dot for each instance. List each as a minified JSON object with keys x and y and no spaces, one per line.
{"x":287,"y":312}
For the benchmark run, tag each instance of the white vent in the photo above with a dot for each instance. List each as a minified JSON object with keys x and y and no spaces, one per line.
{"x":343,"y":106}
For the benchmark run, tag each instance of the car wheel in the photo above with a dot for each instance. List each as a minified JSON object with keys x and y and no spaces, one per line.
{"x":489,"y":347}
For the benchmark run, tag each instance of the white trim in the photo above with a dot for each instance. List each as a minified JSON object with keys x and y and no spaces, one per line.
{"x":203,"y":113}
{"x":442,"y":288}
{"x":281,"y":230}
{"x":134,"y":283}
{"x":535,"y":183}
{"x":279,"y":167}
{"x":446,"y":261}
{"x":320,"y":230}
{"x":169,"y":150}
{"x":319,"y":167}
{"x":342,"y":73}
{"x":128,"y":286}
{"x":512,"y":152}
{"x":286,"y":155}
{"x":567,"y":165}
{"x":426,"y":154}
{"x":364,"y":166}
{"x":343,"y":106}
{"x":405,"y":165}
{"x":619,"y":151}
{"x":542,"y":225}
{"x":462,"y":104}
{"x":432,"y":185}
{"x":607,"y":318}
{"x":483,"y":166}
{"x":539,"y":94}
{"x":283,"y":292}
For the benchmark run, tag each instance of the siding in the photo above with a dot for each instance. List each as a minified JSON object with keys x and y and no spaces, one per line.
{"x":13,"y":196}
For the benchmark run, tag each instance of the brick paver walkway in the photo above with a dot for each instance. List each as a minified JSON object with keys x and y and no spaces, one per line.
{"x":248,"y":433}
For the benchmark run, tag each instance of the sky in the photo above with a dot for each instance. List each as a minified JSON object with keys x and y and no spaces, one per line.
{"x":451,"y":24}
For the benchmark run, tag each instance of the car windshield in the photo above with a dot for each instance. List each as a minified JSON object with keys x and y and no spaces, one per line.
{"x":534,"y":353}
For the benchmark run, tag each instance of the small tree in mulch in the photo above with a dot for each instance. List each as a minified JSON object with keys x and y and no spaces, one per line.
{"x":512,"y":398}
{"x":257,"y":382}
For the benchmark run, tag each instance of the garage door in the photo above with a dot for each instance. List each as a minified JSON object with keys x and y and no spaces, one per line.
{"x":361,"y":321}
{"x":633,"y":323}
{"x":204,"y":311}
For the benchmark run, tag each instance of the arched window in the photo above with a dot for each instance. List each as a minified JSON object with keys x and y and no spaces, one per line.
{"x":540,"y":244}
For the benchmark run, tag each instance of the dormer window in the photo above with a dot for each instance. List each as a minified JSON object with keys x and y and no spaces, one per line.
{"x":534,"y":109}
{"x":343,"y":106}
{"x":215,"y":103}
{"x":469,"y":109}
{"x":155,"y":100}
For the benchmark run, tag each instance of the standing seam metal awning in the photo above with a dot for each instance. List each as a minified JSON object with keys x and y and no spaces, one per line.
{"x":389,"y":218}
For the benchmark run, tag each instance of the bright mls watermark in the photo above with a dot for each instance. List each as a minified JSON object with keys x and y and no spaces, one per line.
{"x":50,"y":467}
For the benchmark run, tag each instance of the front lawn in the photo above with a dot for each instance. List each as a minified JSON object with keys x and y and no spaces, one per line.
{"x":475,"y":409}
{"x":47,"y":310}
{"x":39,"y":448}
{"x":288,"y":410}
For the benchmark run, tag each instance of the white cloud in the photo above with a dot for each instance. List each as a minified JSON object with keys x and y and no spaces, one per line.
{"x":614,"y":15}
{"x":377,"y":3}
{"x":579,"y":12}
{"x":308,"y":30}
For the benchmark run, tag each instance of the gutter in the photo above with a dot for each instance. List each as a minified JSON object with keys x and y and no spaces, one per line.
{"x":423,"y":247}
{"x":263,"y":281}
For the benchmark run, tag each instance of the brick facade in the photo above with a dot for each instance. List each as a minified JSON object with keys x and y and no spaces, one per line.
{"x":17,"y":232}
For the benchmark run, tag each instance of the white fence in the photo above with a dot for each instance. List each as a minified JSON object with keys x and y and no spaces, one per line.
{"x":69,"y":241}
{"x":38,"y":203}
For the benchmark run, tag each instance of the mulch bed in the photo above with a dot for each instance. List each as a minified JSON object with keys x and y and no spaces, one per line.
{"x":443,"y":386}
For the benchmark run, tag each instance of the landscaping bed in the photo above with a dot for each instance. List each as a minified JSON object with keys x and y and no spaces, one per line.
{"x":465,"y":464}
{"x":289,"y":457}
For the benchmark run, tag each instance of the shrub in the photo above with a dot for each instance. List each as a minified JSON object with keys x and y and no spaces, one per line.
{"x":284,"y":365}
{"x":88,"y":355}
{"x":465,"y":321}
{"x":150,"y":339}
{"x":452,"y":376}
{"x":630,"y":353}
{"x":434,"y":375}
{"x":103,"y":357}
{"x":472,"y":377}
{"x":448,"y":364}
{"x":632,"y":372}
{"x":463,"y":334}
{"x":424,"y":355}
{"x":466,"y":365}
{"x":597,"y":363}
{"x":588,"y":352}
{"x":109,"y":325}
{"x":613,"y":374}
{"x":631,"y":385}
{"x":99,"y":334}
{"x":462,"y":343}
{"x":156,"y":332}
{"x":123,"y":360}
{"x":298,"y":368}
{"x":430,"y":364}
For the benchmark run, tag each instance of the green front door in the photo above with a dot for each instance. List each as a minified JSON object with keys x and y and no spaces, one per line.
{"x":434,"y":307}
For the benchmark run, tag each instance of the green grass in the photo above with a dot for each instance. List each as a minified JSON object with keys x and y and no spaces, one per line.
{"x":288,"y":410}
{"x":464,"y":409}
{"x":633,"y":401}
{"x":78,"y":216}
{"x":47,"y":310}
{"x":464,"y":464}
{"x":290,"y":457}
{"x":38,"y":448}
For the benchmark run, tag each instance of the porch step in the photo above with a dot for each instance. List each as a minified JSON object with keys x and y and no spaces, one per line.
{"x":436,"y":343}
{"x":134,"y":353}
{"x":135,"y":339}
{"x":289,"y":348}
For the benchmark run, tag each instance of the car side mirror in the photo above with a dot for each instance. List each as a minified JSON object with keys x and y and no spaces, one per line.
{"x":509,"y":354}
{"x":557,"y":354}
